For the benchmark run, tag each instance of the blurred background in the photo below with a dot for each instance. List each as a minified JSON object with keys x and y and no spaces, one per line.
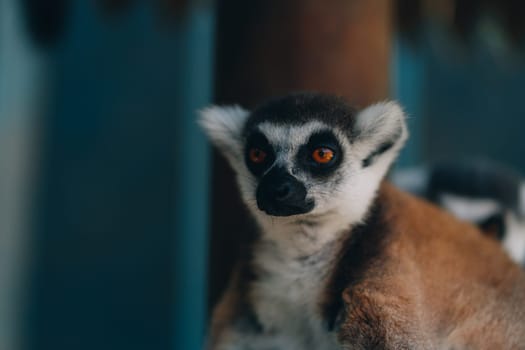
{"x":118,"y":224}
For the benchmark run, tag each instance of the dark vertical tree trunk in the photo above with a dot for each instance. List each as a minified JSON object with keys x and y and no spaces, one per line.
{"x":272,"y":47}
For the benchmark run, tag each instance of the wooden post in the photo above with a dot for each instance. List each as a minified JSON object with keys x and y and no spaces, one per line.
{"x":272,"y":47}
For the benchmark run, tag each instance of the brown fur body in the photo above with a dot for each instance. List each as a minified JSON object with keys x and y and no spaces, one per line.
{"x":410,"y":277}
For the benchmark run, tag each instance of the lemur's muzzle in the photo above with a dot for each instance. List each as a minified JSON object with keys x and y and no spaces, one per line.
{"x":281,"y":194}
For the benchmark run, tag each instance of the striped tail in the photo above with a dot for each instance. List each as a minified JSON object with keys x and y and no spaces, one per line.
{"x":481,"y":191}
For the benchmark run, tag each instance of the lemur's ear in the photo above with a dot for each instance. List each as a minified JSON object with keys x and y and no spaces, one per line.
{"x":223,"y":125}
{"x":379,"y":132}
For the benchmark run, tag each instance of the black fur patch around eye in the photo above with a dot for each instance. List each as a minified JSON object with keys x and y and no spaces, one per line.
{"x":321,"y":139}
{"x":259,"y":141}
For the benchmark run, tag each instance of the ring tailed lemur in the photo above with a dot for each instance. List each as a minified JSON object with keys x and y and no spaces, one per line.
{"x":478,"y":190}
{"x":344,"y":260}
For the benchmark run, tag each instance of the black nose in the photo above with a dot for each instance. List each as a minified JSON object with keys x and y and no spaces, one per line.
{"x":281,"y":194}
{"x":283,"y":191}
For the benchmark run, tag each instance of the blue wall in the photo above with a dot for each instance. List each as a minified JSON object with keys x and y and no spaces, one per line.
{"x":120,"y":235}
{"x":463,"y":99}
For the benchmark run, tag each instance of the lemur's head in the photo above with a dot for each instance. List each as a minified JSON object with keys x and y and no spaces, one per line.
{"x":308,"y":154}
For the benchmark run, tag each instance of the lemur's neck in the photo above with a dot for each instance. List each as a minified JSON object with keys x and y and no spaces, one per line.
{"x":302,"y":237}
{"x":305,"y":235}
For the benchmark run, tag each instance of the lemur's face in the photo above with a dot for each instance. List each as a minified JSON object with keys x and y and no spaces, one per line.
{"x":293,"y":169}
{"x":307,"y":154}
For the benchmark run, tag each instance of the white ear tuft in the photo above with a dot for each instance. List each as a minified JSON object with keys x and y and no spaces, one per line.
{"x":381,"y":128}
{"x":224,"y":125}
{"x":380,"y":119}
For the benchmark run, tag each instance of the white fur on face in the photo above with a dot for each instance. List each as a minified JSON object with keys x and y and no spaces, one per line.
{"x":287,"y":140}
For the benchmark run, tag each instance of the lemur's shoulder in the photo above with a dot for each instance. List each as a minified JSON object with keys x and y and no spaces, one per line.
{"x":424,"y":230}
{"x":482,"y":191}
{"x":432,"y":279}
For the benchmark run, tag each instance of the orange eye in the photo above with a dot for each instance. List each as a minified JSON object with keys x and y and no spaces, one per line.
{"x":257,"y":155}
{"x":323,"y":155}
